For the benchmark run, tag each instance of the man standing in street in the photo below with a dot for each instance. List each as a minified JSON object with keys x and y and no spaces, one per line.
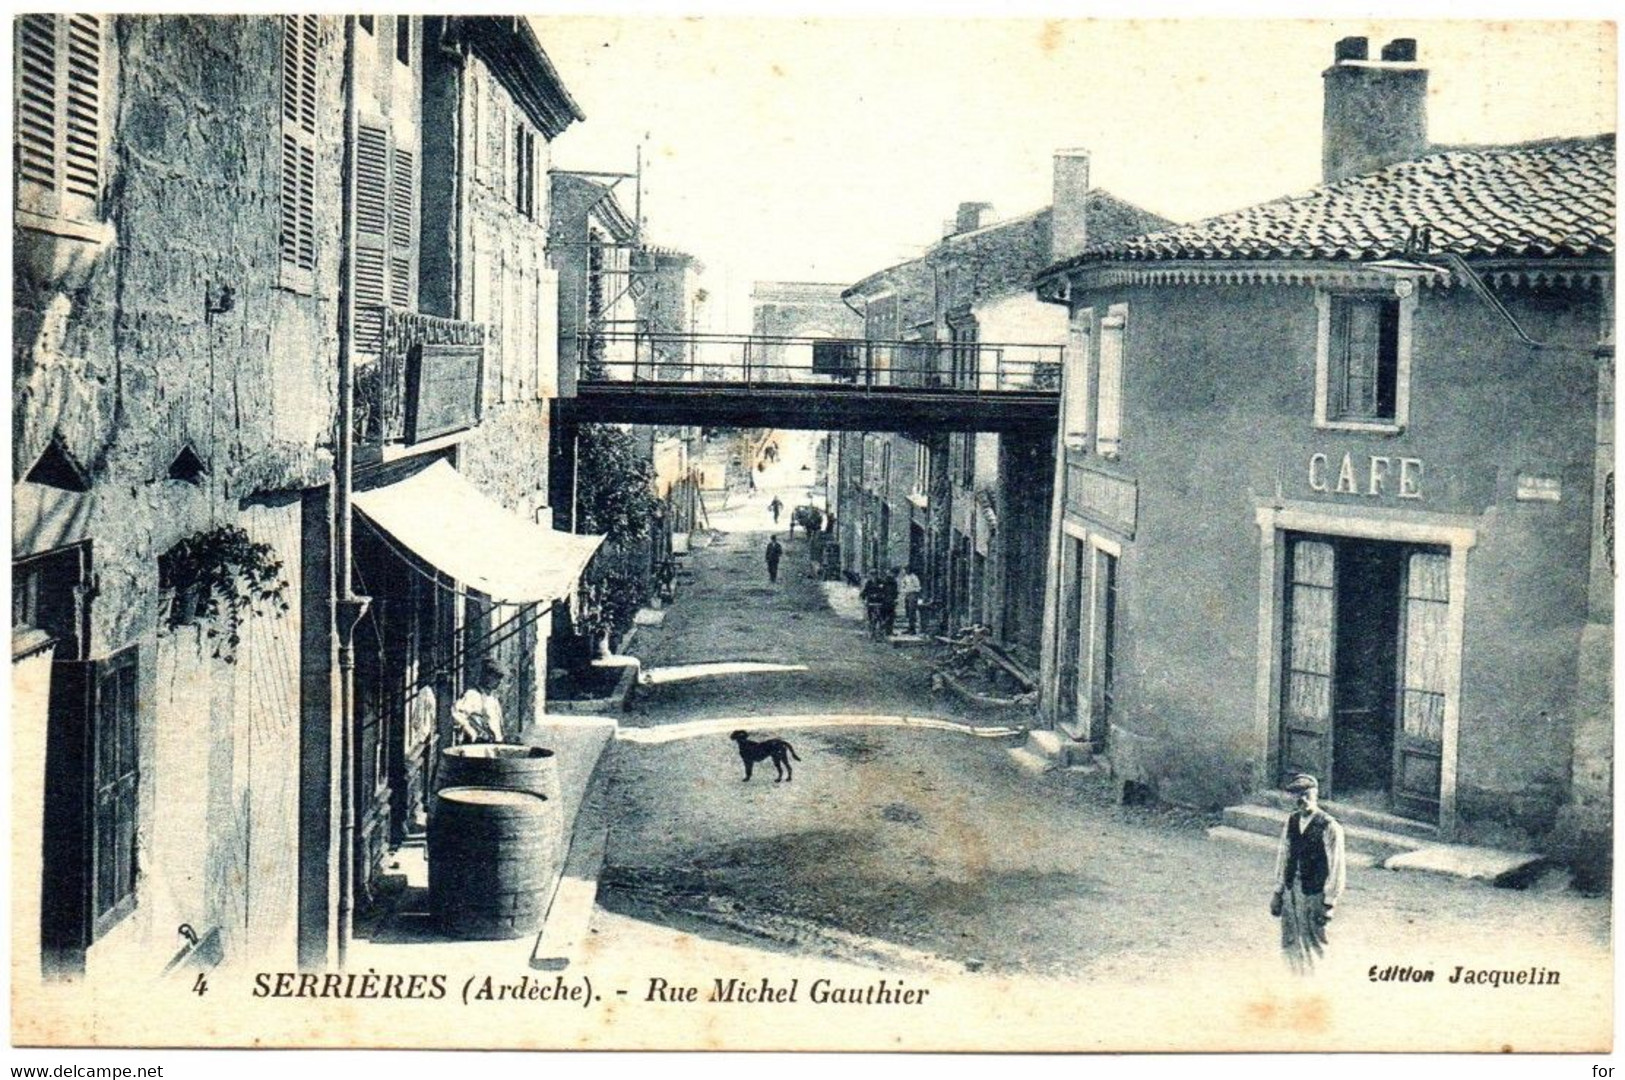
{"x":908,"y":588}
{"x":774,"y":553}
{"x":1309,"y":876}
{"x":775,"y":507}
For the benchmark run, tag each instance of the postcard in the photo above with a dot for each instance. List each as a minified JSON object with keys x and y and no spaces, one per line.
{"x":561,"y":532}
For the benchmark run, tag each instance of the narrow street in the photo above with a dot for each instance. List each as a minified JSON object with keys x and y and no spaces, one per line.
{"x":911,"y":848}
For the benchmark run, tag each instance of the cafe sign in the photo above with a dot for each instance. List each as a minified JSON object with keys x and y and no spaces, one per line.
{"x":1369,"y":475}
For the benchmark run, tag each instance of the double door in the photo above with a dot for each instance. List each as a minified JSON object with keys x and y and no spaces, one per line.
{"x":1365,"y":643}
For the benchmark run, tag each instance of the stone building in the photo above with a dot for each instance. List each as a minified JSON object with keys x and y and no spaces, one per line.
{"x":176,"y":265}
{"x":460,"y":379}
{"x":1336,"y":485}
{"x":804,"y":310}
{"x":967,"y":511}
{"x":181,"y":305}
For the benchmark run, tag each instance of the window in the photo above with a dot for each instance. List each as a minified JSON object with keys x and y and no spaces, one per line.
{"x":300,"y":38}
{"x":524,"y":183}
{"x":1075,"y":405}
{"x":385,"y":229}
{"x":1363,"y":361}
{"x":115,"y":786}
{"x":403,"y":40}
{"x":922,"y":472}
{"x":962,"y":458}
{"x":1109,"y":392}
{"x":962,"y":332}
{"x":58,"y":115}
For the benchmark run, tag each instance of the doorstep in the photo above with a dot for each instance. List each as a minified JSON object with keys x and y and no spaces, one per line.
{"x":1372,"y":838}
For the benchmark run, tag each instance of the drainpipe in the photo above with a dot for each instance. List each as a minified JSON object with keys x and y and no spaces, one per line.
{"x":348,"y":607}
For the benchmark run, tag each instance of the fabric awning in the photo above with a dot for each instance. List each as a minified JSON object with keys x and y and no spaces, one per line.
{"x":456,"y":528}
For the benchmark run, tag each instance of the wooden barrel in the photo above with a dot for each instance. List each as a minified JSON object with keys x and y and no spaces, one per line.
{"x":493,"y":861}
{"x":510,"y":766}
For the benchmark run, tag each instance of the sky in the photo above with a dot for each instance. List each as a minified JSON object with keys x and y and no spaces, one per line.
{"x":826,"y":149}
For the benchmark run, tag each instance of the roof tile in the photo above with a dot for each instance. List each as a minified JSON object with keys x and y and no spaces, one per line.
{"x":1543,"y":199}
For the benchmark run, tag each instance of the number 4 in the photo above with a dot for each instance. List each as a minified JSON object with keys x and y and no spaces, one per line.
{"x":201,"y":987}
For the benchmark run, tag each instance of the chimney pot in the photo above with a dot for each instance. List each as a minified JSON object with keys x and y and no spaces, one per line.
{"x":1401,"y":50}
{"x":1352,"y":48}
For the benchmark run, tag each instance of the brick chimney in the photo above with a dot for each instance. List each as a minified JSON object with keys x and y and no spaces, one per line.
{"x":1069,"y":225}
{"x":973,"y":215}
{"x":1376,"y":110}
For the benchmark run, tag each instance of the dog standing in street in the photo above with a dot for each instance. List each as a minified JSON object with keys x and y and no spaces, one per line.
{"x":753,"y":750}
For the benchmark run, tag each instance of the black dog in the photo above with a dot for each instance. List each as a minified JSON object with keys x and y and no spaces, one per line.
{"x":780,"y":751}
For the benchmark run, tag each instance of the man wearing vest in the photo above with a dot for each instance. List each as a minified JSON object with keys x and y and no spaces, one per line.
{"x":1309,"y":876}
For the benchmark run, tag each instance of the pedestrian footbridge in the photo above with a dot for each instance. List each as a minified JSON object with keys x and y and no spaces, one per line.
{"x":817,"y":384}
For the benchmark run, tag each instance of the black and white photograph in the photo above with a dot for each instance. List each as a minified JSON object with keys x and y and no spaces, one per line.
{"x":868,"y":531}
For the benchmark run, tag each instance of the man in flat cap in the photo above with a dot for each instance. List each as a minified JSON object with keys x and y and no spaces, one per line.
{"x":1309,"y":876}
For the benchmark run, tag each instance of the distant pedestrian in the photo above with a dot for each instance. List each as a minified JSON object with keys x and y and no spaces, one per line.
{"x":774,"y":507}
{"x":908,"y":588}
{"x":1309,"y":877}
{"x":888,"y":601}
{"x":774,"y":553}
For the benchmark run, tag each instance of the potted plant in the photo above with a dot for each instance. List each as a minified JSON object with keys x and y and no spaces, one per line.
{"x":216,"y":578}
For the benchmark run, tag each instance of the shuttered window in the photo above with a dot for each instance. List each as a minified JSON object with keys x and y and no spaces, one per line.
{"x":300,"y":41}
{"x":1075,"y":409}
{"x":58,"y":114}
{"x":1109,"y":392}
{"x":385,"y":229}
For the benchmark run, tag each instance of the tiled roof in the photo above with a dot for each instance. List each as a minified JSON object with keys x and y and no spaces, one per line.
{"x":1005,"y":255}
{"x":1550,"y":199}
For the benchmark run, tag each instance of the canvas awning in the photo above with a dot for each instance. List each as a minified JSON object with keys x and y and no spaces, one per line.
{"x":453,"y":526}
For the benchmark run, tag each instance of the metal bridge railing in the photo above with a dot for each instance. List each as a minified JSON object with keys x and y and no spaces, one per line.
{"x":755,"y":360}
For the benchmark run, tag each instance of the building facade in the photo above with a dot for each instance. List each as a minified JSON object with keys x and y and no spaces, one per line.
{"x":1334,"y":491}
{"x":968,"y":511}
{"x":457,"y":370}
{"x":175,"y":305}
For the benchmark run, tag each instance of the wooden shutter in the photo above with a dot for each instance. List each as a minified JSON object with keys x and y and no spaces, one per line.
{"x":403,"y":183}
{"x":300,"y":46}
{"x":1109,"y":393}
{"x":1075,"y":376}
{"x":58,"y":114}
{"x":1306,"y":722}
{"x":372,"y":197}
{"x":547,"y":330}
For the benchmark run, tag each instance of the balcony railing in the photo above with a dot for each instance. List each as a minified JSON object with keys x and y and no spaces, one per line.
{"x":419,"y":378}
{"x":754,"y":360}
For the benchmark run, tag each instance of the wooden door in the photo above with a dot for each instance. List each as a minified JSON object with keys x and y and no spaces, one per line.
{"x":1069,"y":652}
{"x":1425,"y":630}
{"x":1102,"y":646}
{"x":1310,"y":660}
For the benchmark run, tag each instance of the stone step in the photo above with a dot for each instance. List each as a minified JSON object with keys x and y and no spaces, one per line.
{"x":1268,"y":821}
{"x":1029,"y":760}
{"x":1356,"y":815}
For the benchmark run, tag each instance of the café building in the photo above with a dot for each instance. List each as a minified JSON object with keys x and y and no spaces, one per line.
{"x":1334,"y":486}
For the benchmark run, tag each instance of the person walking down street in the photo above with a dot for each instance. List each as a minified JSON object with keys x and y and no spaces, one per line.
{"x":775,"y":552}
{"x":775,"y":507}
{"x":908,"y":588}
{"x":888,"y":601}
{"x":477,"y":715}
{"x":872,"y":595}
{"x":1309,"y":877}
